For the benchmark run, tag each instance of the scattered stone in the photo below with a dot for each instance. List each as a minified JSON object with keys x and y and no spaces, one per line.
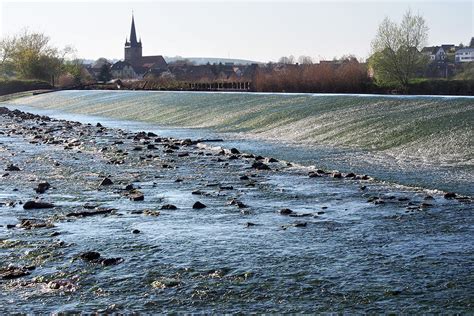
{"x":12,"y":272}
{"x":91,"y":213}
{"x":111,"y":261}
{"x":234,"y":151}
{"x":136,"y":197}
{"x":106,"y":181}
{"x":12,"y":167}
{"x":169,"y":207}
{"x":199,"y":205}
{"x":89,"y":256}
{"x":37,"y":205}
{"x":450,"y":195}
{"x":151,"y":213}
{"x":244,"y":177}
{"x":272,"y":160}
{"x":135,"y":231}
{"x":164,"y":283}
{"x":260,"y":166}
{"x":42,"y":187}
{"x":286,"y":211}
{"x":249,"y":224}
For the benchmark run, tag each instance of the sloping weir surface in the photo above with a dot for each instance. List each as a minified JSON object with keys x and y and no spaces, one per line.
{"x":390,"y":244}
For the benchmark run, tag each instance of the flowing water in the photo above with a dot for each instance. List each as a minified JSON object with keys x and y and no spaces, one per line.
{"x":424,"y":141}
{"x":352,"y":256}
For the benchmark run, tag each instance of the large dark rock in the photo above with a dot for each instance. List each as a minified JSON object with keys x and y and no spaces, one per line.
{"x":234,"y":151}
{"x":89,"y":256}
{"x":106,"y":181}
{"x":37,"y":205}
{"x":450,"y":195}
{"x":12,"y":167}
{"x":286,"y":211}
{"x":42,"y":187}
{"x":260,"y":166}
{"x":199,"y":205}
{"x":169,"y":207}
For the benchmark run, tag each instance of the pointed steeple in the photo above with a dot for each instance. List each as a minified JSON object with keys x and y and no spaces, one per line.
{"x":133,"y":34}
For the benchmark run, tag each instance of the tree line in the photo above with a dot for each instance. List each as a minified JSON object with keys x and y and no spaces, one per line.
{"x":30,"y":55}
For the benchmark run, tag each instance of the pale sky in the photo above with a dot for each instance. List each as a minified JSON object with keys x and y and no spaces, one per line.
{"x":255,"y":30}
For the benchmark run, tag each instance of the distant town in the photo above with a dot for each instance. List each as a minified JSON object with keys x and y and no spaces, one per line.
{"x":441,"y":69}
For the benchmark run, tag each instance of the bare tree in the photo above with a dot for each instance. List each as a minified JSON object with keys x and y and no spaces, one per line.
{"x":305,"y":60}
{"x":287,"y":60}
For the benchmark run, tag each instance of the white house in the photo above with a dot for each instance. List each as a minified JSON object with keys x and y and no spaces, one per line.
{"x":464,"y":55}
{"x":123,"y":70}
{"x":435,"y":53}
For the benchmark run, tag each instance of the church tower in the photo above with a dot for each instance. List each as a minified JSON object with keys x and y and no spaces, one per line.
{"x":133,"y":48}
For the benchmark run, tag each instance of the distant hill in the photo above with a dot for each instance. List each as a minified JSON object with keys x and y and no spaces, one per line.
{"x":212,"y":60}
{"x":195,"y":60}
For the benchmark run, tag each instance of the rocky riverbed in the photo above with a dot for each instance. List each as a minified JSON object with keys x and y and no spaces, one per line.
{"x":100,"y":219}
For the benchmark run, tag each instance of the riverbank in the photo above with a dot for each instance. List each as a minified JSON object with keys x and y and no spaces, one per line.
{"x":137,"y":222}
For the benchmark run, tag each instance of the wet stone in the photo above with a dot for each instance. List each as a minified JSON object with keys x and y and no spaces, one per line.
{"x":37,"y":205}
{"x":42,"y":187}
{"x":12,"y":167}
{"x":106,"y":181}
{"x":199,"y":205}
{"x":286,"y":211}
{"x":169,"y":207}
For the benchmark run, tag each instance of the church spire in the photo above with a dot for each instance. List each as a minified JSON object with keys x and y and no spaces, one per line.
{"x":133,"y":34}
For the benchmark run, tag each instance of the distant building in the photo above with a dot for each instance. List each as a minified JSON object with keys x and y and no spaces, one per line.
{"x":464,"y":55}
{"x":135,"y":65}
{"x":436,"y":53}
{"x":154,"y":70}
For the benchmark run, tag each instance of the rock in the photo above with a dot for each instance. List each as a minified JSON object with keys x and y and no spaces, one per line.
{"x":42,"y":187}
{"x":450,"y":195}
{"x":12,"y":167}
{"x":135,"y":231}
{"x":151,"y":134}
{"x":111,"y":261}
{"x":199,"y":205}
{"x":37,"y":205}
{"x":98,"y":125}
{"x":138,"y":196}
{"x":249,"y":224}
{"x":260,"y":166}
{"x":272,"y":160}
{"x":12,"y":272}
{"x":164,"y":283}
{"x":187,"y":142}
{"x":151,"y":213}
{"x":54,"y":234}
{"x":313,"y":174}
{"x":259,"y":158}
{"x":244,"y":177}
{"x":184,"y":154}
{"x":137,"y":148}
{"x":106,"y":181}
{"x":169,"y":207}
{"x":91,"y":213}
{"x":89,"y":256}
{"x":286,"y":211}
{"x":336,"y":175}
{"x":234,"y":151}
{"x":350,"y":175}
{"x":300,"y":224}
{"x":151,"y":146}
